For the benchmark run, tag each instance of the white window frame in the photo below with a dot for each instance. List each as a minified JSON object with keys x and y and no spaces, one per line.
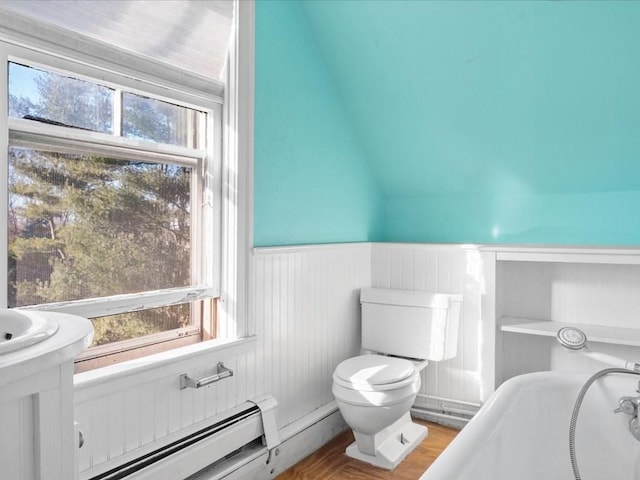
{"x":235,"y":319}
{"x":225,"y":275}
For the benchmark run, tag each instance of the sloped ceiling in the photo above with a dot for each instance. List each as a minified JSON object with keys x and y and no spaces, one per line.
{"x":193,"y":35}
{"x":451,"y":97}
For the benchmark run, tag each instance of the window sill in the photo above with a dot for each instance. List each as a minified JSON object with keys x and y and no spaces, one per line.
{"x":158,"y":361}
{"x":126,"y":350}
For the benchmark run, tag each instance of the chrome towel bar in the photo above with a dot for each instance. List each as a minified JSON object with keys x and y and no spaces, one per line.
{"x":221,"y":372}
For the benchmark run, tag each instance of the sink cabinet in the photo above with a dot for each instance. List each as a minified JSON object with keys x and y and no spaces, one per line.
{"x":37,"y":437}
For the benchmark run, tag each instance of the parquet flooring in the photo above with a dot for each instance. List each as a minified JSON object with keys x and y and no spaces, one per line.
{"x":331,"y":463}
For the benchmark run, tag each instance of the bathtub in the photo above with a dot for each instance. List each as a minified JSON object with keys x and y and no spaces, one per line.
{"x":522,"y":432}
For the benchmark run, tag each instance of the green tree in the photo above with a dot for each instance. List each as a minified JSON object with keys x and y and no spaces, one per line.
{"x":84,"y":226}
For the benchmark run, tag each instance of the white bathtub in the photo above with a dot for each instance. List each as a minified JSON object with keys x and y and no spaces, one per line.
{"x":522,"y":432}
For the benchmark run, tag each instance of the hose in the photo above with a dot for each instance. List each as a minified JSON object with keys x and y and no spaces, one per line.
{"x":576,"y":410}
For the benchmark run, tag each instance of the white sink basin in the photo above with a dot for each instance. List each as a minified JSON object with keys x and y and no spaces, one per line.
{"x":20,"y":329}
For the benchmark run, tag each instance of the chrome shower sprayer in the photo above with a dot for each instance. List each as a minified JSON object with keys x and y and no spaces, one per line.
{"x":572,"y":338}
{"x":575,"y":340}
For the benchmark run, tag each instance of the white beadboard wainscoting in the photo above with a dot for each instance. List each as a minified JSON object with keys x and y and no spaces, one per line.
{"x":305,"y":320}
{"x":307,"y":300}
{"x":465,"y":381}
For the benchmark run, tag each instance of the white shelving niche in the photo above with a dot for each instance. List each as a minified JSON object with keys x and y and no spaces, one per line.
{"x":540,"y":290}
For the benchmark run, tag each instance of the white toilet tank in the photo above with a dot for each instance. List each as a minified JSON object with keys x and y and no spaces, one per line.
{"x":410,"y":324}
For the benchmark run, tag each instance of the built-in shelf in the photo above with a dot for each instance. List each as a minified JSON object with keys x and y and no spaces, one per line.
{"x":595,"y":333}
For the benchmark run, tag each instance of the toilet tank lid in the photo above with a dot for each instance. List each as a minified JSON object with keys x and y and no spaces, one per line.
{"x":407,"y":298}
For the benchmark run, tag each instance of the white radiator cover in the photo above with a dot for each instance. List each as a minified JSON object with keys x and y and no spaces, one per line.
{"x":211,"y":442}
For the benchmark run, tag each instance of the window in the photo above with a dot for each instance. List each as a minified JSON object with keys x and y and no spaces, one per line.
{"x":113,"y":211}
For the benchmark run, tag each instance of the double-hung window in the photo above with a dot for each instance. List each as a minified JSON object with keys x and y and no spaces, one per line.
{"x":112,"y":190}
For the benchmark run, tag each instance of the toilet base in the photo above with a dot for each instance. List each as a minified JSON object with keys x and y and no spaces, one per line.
{"x":399,"y":440}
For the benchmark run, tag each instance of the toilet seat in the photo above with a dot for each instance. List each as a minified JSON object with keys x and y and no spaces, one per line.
{"x":375,"y":380}
{"x":366,"y":398}
{"x":374,"y":372}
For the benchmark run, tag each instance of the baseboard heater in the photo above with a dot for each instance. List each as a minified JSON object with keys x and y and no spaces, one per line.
{"x":253,"y":421}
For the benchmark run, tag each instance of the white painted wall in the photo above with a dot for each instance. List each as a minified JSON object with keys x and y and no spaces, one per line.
{"x":446,"y":269}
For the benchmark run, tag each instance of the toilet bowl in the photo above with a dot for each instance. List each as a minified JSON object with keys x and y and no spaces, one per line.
{"x":374,"y":394}
{"x":375,"y":391}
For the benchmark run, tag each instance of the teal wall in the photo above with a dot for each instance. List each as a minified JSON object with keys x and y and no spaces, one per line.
{"x":505,"y":122}
{"x":312,"y":183}
{"x":483,"y":122}
{"x":600,"y":218}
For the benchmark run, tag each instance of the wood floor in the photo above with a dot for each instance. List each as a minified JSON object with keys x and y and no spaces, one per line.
{"x":330,"y":462}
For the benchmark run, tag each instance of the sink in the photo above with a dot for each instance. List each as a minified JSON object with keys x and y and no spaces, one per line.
{"x":20,"y":329}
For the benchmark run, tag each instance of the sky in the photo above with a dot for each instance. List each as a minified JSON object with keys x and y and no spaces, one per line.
{"x":22,"y":82}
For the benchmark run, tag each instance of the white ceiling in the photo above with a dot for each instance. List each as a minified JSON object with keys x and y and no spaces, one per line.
{"x":190,"y":34}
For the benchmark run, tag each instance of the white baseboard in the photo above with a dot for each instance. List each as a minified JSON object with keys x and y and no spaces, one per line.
{"x":299,"y":440}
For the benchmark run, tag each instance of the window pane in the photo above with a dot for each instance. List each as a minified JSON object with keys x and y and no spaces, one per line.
{"x":83,"y":226}
{"x":54,"y":98}
{"x":116,"y":328}
{"x":156,"y":121}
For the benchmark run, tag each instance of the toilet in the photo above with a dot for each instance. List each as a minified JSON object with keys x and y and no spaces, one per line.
{"x":401,"y":331}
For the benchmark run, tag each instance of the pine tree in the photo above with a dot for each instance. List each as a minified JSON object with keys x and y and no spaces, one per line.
{"x":84,"y":226}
